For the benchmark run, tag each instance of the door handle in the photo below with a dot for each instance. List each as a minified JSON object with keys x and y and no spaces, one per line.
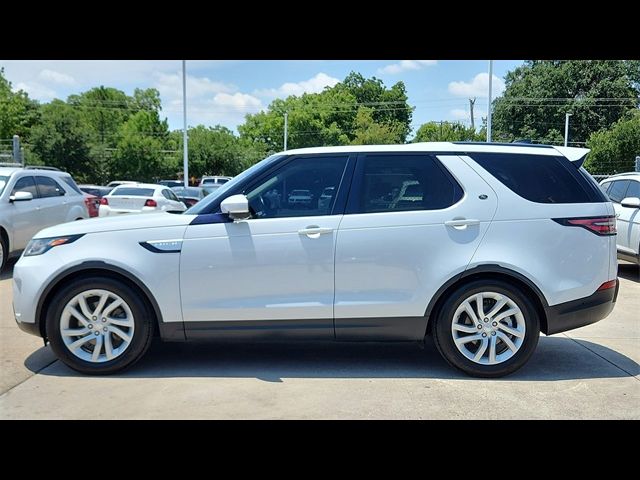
{"x":462,"y":222}
{"x":315,"y":231}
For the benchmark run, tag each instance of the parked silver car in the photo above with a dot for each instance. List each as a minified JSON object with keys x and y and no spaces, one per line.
{"x":33,"y":199}
{"x":624,"y":191}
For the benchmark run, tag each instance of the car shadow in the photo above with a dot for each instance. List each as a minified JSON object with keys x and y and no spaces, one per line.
{"x":7,"y":271}
{"x":556,"y":358}
{"x":629,"y":271}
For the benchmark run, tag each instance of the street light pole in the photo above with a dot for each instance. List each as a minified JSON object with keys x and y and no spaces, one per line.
{"x":185,"y":154}
{"x":566,"y":128}
{"x":489,"y":102}
{"x":286,"y":128}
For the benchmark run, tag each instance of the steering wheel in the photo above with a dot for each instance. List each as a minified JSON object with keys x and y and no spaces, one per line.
{"x":257,"y":207}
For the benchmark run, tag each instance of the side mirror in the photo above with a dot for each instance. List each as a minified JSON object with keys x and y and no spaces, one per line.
{"x":21,"y":197}
{"x":631,"y":202}
{"x":236,"y":206}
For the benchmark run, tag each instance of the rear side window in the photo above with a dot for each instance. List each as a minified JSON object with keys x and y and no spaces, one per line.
{"x":25,"y":184}
{"x":633,"y":190}
{"x":133,"y":192}
{"x":396,"y":183}
{"x":69,"y":181}
{"x":540,"y":178}
{"x":619,"y":190}
{"x":606,"y":186}
{"x":48,"y":187}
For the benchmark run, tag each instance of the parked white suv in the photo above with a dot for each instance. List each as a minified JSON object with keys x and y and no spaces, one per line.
{"x":481,"y":246}
{"x":33,"y":199}
{"x":624,"y":191}
{"x":213,"y":180}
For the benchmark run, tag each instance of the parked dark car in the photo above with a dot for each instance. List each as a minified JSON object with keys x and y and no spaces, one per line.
{"x":190,"y":195}
{"x":97,"y":190}
{"x":171,"y":183}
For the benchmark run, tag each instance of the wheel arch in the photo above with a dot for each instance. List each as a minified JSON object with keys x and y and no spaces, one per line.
{"x":488,"y":272}
{"x":4,"y":234}
{"x":93,"y":268}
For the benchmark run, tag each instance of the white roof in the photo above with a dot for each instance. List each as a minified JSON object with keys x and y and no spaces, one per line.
{"x":571,"y":153}
{"x":153,"y":186}
{"x":623,"y":176}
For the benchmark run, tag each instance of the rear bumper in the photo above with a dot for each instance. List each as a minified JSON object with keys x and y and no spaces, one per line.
{"x":584,"y":311}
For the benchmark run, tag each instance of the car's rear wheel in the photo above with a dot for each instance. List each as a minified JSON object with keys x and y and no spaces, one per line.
{"x":3,"y":252}
{"x":487,"y":328}
{"x":99,"y":325}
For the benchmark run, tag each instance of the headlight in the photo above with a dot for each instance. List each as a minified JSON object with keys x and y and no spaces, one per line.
{"x":38,"y":246}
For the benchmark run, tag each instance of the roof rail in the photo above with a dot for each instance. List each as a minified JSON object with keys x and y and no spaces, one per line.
{"x":530,"y":145}
{"x":42,"y":167}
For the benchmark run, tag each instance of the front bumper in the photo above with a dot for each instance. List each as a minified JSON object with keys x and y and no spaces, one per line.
{"x":584,"y":311}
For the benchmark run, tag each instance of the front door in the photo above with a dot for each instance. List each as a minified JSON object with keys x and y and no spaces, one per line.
{"x":26,"y":216}
{"x":54,"y":202}
{"x":273,"y":273}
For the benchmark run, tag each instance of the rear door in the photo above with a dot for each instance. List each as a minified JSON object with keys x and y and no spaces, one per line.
{"x":53,"y":201}
{"x":410,"y":225}
{"x":629,"y":221}
{"x":26,"y":217}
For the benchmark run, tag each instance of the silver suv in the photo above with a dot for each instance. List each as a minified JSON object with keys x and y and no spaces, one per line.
{"x":33,"y":199}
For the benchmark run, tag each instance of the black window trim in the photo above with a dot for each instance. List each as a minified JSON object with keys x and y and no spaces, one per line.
{"x":33,"y":178}
{"x":353,"y":202}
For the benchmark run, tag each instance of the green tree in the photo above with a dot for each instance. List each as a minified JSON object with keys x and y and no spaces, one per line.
{"x":138,"y":153}
{"x":615,"y":150}
{"x":61,"y":140}
{"x":369,"y":132}
{"x":448,"y":132}
{"x":18,"y":113}
{"x":539,"y":93}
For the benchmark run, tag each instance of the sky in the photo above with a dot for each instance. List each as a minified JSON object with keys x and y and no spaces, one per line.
{"x":224,"y":91}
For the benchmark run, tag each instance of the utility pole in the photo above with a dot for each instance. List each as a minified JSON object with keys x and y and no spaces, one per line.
{"x":489,"y":102}
{"x":566,"y":128}
{"x":286,"y":127}
{"x":472,"y":102}
{"x":185,"y":154}
{"x":16,"y":149}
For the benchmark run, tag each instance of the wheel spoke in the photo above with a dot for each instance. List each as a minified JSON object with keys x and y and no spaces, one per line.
{"x":82,"y":302}
{"x":481,"y":349}
{"x":467,"y":339}
{"x":120,"y":333}
{"x":507,"y":341}
{"x":74,"y":332}
{"x":108,"y":347}
{"x":80,"y":342}
{"x":124,"y":322}
{"x":510,"y":331}
{"x":471,"y":313}
{"x":505,"y":314}
{"x":112,"y":306}
{"x":75,"y":313}
{"x":496,"y":308}
{"x":103,"y":300}
{"x":479,"y":306}
{"x":97,"y":349}
{"x":464,"y":328}
{"x":492,"y":349}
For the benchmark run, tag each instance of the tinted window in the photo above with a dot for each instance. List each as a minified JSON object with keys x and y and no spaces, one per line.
{"x":539,"y":178}
{"x":69,"y":181}
{"x":295,"y":190}
{"x":3,"y":182}
{"x":605,"y":187}
{"x":222,"y":180}
{"x":618,"y":190}
{"x":633,"y":190}
{"x":133,"y":191}
{"x":168,"y":194}
{"x":25,"y":184}
{"x":48,"y":187}
{"x":393,"y":183}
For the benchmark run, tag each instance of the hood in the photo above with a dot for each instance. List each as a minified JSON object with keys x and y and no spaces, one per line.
{"x":111,"y":224}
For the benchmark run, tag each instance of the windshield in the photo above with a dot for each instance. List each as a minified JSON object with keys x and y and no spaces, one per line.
{"x":3,"y":182}
{"x":203,"y":205}
{"x":133,"y":191}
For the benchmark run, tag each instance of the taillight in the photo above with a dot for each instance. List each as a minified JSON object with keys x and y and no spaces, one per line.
{"x":608,"y":285}
{"x":104,"y":201}
{"x":150,"y":203}
{"x":599,"y":225}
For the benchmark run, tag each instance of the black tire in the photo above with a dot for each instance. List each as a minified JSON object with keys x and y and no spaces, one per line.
{"x":444,"y":340}
{"x":4,"y":252}
{"x":143,"y":325}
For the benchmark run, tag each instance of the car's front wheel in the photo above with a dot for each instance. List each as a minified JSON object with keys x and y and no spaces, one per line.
{"x":487,"y":328}
{"x":98,"y":325}
{"x":3,"y":253}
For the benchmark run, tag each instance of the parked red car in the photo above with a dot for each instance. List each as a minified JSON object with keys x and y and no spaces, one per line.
{"x":92,"y":202}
